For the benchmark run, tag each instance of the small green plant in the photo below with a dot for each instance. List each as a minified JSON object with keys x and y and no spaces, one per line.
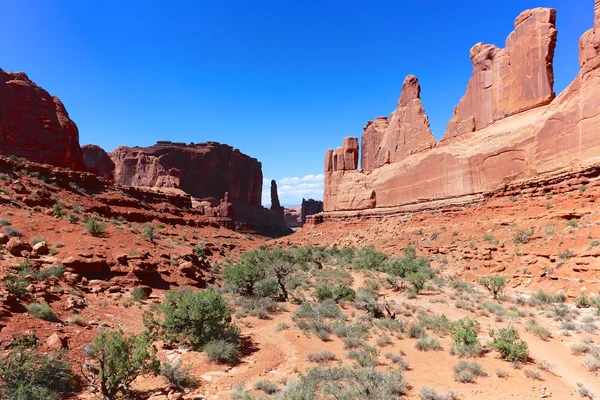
{"x":266,"y":386}
{"x":4,"y":222}
{"x":494,"y":284}
{"x":50,"y":272}
{"x":464,"y":338}
{"x":222,"y":351}
{"x":507,"y":342}
{"x":115,"y":361}
{"x":73,"y":218}
{"x":58,"y":210}
{"x":582,"y":188}
{"x":16,"y":285}
{"x":11,"y":231}
{"x":27,"y":374}
{"x":200,"y":251}
{"x":573,"y":223}
{"x":490,"y":239}
{"x":150,"y":233}
{"x":583,"y":301}
{"x":42,"y":311}
{"x":139,"y":293}
{"x":467,"y":372}
{"x":522,"y":236}
{"x":426,"y":343}
{"x":176,"y":374}
{"x":95,"y":228}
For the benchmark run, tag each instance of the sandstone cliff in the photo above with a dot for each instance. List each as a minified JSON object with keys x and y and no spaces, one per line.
{"x":508,"y":126}
{"x":97,"y":161}
{"x":206,"y":170}
{"x":35,"y":125}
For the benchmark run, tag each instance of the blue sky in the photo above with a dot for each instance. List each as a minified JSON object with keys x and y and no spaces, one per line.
{"x":281,"y":80}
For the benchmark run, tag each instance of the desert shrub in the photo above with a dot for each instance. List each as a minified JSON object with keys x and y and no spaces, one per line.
{"x":176,"y":374}
{"x":418,"y":280}
{"x":409,"y":264}
{"x":427,"y":343}
{"x":584,"y":391}
{"x":500,"y":373}
{"x":259,"y":307}
{"x":4,"y":222}
{"x":16,"y":285}
{"x":583,"y":301}
{"x":533,"y":374}
{"x":467,"y":372}
{"x":283,"y":273}
{"x":11,"y":231}
{"x":523,"y":236}
{"x":464,"y":338}
{"x":222,"y":351}
{"x":200,"y":251}
{"x":321,"y":356}
{"x":507,"y":342}
{"x":243,"y":276}
{"x":36,"y":239}
{"x":490,"y":239}
{"x":193,"y":317}
{"x":427,"y":393}
{"x":149,"y":232}
{"x":266,"y":386}
{"x":573,"y":223}
{"x":370,"y":259}
{"x":58,"y":210}
{"x":26,"y":374}
{"x":42,"y":311}
{"x":383,"y":340}
{"x":494,"y":284}
{"x":579,"y":348}
{"x":73,"y":218}
{"x":534,"y":327}
{"x":139,"y":293}
{"x":436,"y":323}
{"x":95,"y":228}
{"x":323,"y":293}
{"x":364,"y":356}
{"x":77,"y":319}
{"x":55,"y":271}
{"x":318,"y":311}
{"x":589,"y":324}
{"x":357,"y":383}
{"x":115,"y":361}
{"x":415,"y":331}
{"x":398,"y":359}
{"x":266,"y":288}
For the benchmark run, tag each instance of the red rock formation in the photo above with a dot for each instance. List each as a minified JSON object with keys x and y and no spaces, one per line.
{"x":344,"y":158}
{"x":510,"y":80}
{"x":528,"y":139}
{"x":407,"y":131}
{"x":35,"y":125}
{"x":293,"y":216}
{"x":206,"y":170}
{"x":98,"y":161}
{"x":310,"y":207}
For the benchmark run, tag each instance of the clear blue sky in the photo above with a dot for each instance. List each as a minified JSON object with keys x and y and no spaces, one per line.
{"x":281,"y":80}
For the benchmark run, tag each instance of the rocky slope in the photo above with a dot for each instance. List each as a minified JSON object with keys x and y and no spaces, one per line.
{"x":35,"y":125}
{"x":508,"y":127}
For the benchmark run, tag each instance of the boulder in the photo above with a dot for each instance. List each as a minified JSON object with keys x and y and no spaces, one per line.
{"x":40,"y":248}
{"x":86,"y":266}
{"x":56,"y":342}
{"x":15,"y":246}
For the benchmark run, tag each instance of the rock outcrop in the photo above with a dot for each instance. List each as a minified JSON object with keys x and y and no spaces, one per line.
{"x":510,"y":125}
{"x":293,"y":216}
{"x":36,"y":126}
{"x":206,"y":170}
{"x":310,"y":207}
{"x":508,"y":81}
{"x":97,"y":161}
{"x":344,"y":158}
{"x":405,"y":133}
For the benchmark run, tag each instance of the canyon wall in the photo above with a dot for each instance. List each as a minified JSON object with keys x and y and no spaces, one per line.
{"x":206,"y":171}
{"x":509,"y":126}
{"x":36,"y":126}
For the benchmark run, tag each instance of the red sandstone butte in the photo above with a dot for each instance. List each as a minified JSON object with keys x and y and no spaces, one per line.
{"x":405,"y":133}
{"x":507,"y":128}
{"x":206,"y":171}
{"x":510,"y":80}
{"x":35,"y":125}
{"x":98,"y":161}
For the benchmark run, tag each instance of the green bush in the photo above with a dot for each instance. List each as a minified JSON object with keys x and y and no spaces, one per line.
{"x":222,"y":351}
{"x":16,"y":285}
{"x":266,"y":386}
{"x":58,"y":210}
{"x":523,"y":236}
{"x":418,"y":280}
{"x":369,"y":258}
{"x":409,"y":264}
{"x":116,"y":361}
{"x":464,"y":338}
{"x":467,"y":372}
{"x":150,"y":233}
{"x":42,"y":311}
{"x":176,"y":374}
{"x":494,"y":284}
{"x":28,"y":375}
{"x":426,"y":343}
{"x":507,"y":342}
{"x":583,"y":301}
{"x":323,"y":293}
{"x":50,"y":272}
{"x":95,"y":228}
{"x":139,"y":293}
{"x":200,"y":251}
{"x":243,"y":276}
{"x":193,"y":317}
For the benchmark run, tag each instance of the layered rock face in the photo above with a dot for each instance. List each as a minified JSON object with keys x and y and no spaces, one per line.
{"x":310,"y":207}
{"x":35,"y":125}
{"x":508,"y":127}
{"x":97,"y":161}
{"x":405,"y":133}
{"x":206,"y":171}
{"x":510,"y":80}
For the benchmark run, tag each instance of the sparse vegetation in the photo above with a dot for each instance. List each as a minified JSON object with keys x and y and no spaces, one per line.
{"x":95,"y":228}
{"x":494,"y":284}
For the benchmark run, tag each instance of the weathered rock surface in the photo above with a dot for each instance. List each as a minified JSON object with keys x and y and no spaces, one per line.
{"x":344,"y":158}
{"x":98,"y":161}
{"x":510,"y":80}
{"x":205,"y":170}
{"x":293,"y":216}
{"x":405,"y":133}
{"x":36,"y":126}
{"x":310,"y":207}
{"x":516,"y":131}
